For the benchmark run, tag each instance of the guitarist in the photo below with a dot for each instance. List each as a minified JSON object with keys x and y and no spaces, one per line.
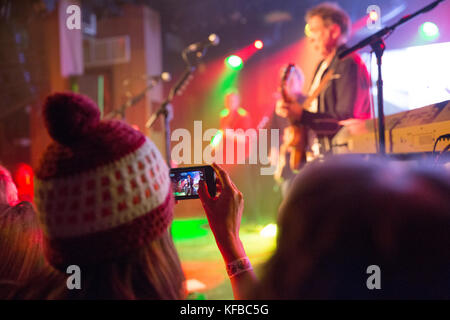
{"x":346,"y":95}
{"x":293,"y":80}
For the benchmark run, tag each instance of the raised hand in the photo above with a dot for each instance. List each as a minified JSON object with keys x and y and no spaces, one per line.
{"x":290,"y":110}
{"x":224,"y":213}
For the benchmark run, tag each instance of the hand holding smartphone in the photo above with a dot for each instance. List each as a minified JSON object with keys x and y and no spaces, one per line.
{"x":185,"y":181}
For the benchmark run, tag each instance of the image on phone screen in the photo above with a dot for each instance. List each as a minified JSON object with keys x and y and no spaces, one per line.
{"x":185,"y":183}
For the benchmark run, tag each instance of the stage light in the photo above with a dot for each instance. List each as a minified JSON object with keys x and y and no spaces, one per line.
{"x":24,"y":175}
{"x":429,"y":31}
{"x":258,"y":44}
{"x":373,"y":15}
{"x":24,"y":181}
{"x":269,"y":231}
{"x":188,"y":229}
{"x":194,"y":285}
{"x":374,"y":19}
{"x":234,"y":62}
{"x":215,"y":141}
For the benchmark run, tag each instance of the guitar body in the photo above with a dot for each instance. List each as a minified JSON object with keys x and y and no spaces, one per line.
{"x":295,"y":137}
{"x":296,"y":143}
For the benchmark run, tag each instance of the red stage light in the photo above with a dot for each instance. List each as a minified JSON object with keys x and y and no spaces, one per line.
{"x":258,"y":44}
{"x":24,"y":181}
{"x":373,"y":15}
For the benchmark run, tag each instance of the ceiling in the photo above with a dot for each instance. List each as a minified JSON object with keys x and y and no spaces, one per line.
{"x":237,"y":22}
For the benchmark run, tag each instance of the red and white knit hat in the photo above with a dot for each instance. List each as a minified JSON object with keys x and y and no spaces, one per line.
{"x":102,"y":188}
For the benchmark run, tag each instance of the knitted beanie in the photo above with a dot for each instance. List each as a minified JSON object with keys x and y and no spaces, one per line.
{"x":102,"y":188}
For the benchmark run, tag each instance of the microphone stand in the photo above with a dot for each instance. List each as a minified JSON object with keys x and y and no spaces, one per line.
{"x":179,"y":85}
{"x":130,"y":102}
{"x":378,"y":46}
{"x":163,"y":110}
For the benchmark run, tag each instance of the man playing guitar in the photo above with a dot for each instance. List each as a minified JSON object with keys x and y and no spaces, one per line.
{"x":346,"y":94}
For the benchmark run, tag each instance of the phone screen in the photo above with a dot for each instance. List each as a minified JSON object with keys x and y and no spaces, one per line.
{"x":185,"y":181}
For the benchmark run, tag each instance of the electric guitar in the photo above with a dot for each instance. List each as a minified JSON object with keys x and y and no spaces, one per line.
{"x":295,"y":136}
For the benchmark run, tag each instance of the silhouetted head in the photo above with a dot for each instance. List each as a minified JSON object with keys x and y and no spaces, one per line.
{"x":347,"y":214}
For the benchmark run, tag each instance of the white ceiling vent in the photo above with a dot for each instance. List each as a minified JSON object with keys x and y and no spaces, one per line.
{"x":106,"y":51}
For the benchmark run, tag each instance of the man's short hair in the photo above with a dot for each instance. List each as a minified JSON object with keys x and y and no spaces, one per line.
{"x":331,"y":13}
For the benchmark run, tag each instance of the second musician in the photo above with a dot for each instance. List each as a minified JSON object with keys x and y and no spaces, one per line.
{"x":346,"y":95}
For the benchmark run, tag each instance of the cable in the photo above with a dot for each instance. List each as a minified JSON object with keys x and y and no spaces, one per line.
{"x":445,"y":150}
{"x":438,"y":157}
{"x":372,"y":106}
{"x":441,"y":137}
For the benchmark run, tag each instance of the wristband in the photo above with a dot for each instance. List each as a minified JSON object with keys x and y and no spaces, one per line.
{"x":238,"y":266}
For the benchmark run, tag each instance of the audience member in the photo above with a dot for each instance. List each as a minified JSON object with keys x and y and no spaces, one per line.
{"x":345,"y":215}
{"x":8,"y":189}
{"x":103,"y":195}
{"x":342,"y":220}
{"x":21,"y":254}
{"x":105,"y":204}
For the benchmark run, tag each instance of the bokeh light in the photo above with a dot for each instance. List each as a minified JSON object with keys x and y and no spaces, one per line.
{"x":234,"y":62}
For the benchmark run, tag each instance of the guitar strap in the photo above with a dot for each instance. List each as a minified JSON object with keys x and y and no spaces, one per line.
{"x":324,"y":140}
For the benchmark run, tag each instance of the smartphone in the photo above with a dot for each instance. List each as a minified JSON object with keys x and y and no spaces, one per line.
{"x":185,"y":181}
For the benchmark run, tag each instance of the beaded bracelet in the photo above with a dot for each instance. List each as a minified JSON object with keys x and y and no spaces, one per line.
{"x":238,"y":266}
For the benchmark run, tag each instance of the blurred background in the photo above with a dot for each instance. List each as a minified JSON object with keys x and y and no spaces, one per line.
{"x":121,"y":44}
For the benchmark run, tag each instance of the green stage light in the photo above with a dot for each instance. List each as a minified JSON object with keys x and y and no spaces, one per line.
{"x":187,"y":229}
{"x":429,"y":31}
{"x":269,"y":231}
{"x":234,"y":62}
{"x":215,"y":141}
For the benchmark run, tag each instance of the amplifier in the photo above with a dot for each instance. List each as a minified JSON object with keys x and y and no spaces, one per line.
{"x":413,"y":131}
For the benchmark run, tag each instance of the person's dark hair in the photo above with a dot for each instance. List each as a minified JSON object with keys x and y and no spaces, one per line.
{"x":343,"y":216}
{"x":21,"y":253}
{"x":331,"y":13}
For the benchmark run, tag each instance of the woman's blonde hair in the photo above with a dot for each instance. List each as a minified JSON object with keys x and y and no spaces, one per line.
{"x":151,"y":272}
{"x":21,"y":249}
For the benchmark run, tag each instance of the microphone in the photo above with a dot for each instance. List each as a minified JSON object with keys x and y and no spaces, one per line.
{"x":165,"y":76}
{"x":213,"y":40}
